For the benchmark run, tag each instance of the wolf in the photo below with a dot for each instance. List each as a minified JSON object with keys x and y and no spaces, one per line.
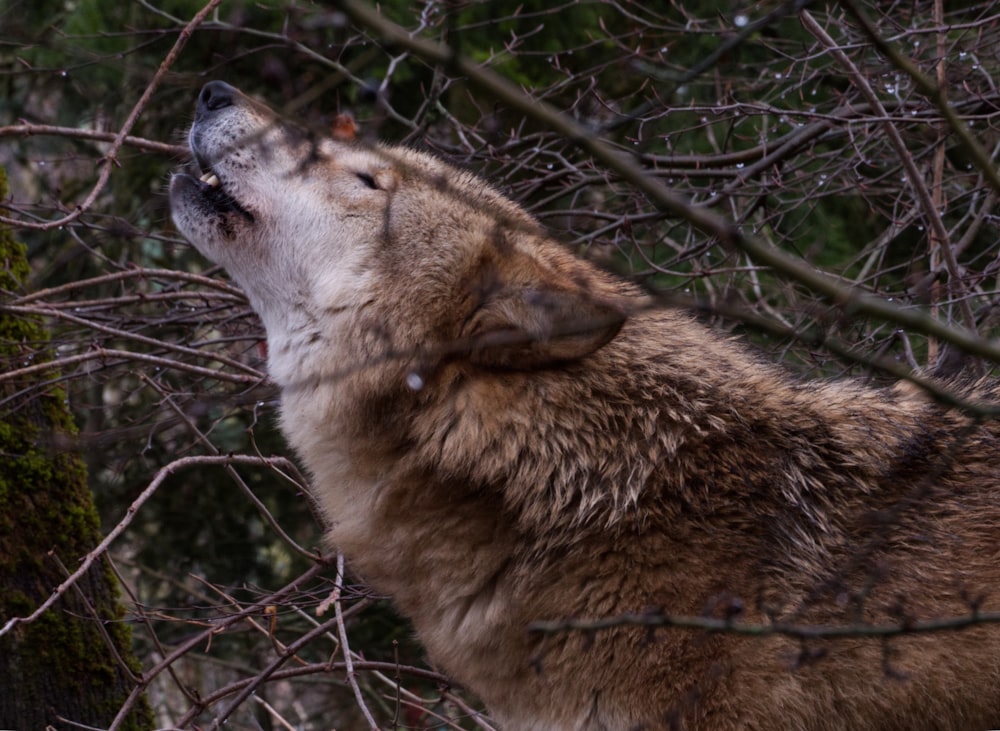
{"x":500,"y":434}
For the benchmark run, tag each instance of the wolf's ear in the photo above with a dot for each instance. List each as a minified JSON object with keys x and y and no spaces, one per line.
{"x":525,"y":328}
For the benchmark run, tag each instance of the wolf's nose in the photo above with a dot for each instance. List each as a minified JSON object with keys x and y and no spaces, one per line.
{"x":216,"y":95}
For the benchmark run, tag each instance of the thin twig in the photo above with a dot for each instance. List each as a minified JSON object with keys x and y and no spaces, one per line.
{"x":123,"y":356}
{"x":927,"y":86}
{"x":798,"y":631}
{"x":181,"y":152}
{"x":345,"y":647}
{"x":851,"y":299}
{"x":110,"y":158}
{"x":133,"y":510}
{"x":914,"y":178}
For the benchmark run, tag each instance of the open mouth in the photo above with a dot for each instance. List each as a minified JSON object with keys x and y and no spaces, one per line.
{"x":216,"y":194}
{"x":210,"y":179}
{"x":202,"y":165}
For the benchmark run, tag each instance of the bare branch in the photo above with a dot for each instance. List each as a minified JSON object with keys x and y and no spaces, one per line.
{"x":114,"y":533}
{"x":110,"y":157}
{"x":798,"y":631}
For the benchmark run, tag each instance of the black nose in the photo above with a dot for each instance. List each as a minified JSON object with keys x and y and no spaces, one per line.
{"x":216,"y":95}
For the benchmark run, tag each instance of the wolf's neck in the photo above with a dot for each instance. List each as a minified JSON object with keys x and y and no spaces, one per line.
{"x":303,"y":344}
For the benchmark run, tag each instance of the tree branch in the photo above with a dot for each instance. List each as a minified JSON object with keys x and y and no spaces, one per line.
{"x":852,"y":300}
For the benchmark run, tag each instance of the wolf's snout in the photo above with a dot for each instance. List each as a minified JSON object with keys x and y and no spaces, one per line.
{"x":215,"y":95}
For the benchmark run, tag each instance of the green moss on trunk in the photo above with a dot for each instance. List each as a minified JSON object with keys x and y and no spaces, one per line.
{"x":60,"y":665}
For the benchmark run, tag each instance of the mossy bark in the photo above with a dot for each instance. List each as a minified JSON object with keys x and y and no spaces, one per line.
{"x":63,"y":664}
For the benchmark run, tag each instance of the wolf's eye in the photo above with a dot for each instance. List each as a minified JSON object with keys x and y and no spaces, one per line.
{"x":368,"y":180}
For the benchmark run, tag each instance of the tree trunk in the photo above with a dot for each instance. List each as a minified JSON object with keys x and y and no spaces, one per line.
{"x":75,"y":662}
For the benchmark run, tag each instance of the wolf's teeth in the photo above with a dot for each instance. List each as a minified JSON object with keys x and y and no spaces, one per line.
{"x":210,"y":179}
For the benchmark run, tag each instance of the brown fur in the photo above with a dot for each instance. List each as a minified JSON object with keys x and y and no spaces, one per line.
{"x":500,"y":433}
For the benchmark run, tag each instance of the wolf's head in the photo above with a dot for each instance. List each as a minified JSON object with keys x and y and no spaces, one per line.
{"x":315,"y":229}
{"x":280,"y":208}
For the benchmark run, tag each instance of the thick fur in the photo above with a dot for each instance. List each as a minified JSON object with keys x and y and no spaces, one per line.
{"x":500,"y":433}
